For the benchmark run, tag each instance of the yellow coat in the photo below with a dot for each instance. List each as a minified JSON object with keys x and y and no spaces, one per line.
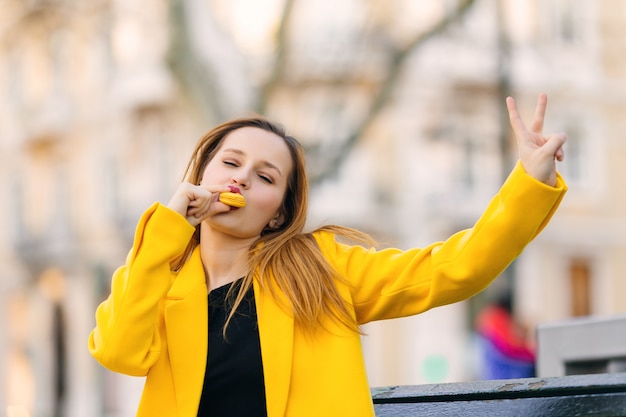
{"x":155,"y":322}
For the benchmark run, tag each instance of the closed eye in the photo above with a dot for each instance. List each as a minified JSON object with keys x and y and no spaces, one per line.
{"x":230,"y":163}
{"x":266,"y":178}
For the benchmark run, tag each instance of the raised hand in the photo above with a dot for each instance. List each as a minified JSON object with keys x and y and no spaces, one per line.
{"x":538,"y":153}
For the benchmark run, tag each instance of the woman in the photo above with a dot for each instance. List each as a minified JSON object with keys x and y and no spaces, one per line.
{"x":278,"y":332}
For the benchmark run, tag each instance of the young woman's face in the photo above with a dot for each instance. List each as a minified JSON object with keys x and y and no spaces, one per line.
{"x":259,"y":164}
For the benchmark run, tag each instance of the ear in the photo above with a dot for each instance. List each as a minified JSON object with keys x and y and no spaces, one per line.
{"x":277,"y":221}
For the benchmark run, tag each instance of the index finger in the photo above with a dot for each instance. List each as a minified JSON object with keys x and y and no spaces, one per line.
{"x":214,"y":189}
{"x":514,"y":117}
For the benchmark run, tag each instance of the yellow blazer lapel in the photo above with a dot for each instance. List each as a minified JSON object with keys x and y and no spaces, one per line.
{"x":276,"y":335}
{"x":186,"y":324}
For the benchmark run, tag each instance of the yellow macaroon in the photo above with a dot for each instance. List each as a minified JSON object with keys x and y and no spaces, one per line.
{"x":233,"y":199}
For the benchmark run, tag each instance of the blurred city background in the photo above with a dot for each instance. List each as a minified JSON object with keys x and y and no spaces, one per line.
{"x":400,"y":105}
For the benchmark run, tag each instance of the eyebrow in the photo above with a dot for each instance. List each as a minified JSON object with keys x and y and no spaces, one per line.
{"x":265,"y":163}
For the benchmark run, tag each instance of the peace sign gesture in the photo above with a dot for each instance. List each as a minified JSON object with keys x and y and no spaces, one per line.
{"x":537,"y":153}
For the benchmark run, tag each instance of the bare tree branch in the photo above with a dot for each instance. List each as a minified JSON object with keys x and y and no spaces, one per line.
{"x":280,"y":60}
{"x":193,"y":75}
{"x":202,"y":87}
{"x":381,"y":97}
{"x":207,"y":61}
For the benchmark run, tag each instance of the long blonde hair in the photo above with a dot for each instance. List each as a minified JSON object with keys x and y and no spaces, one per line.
{"x":286,"y":253}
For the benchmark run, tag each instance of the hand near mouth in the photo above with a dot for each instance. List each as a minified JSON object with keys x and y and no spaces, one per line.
{"x":196,"y":202}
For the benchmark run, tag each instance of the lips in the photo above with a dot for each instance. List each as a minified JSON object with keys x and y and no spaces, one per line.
{"x":234,"y":189}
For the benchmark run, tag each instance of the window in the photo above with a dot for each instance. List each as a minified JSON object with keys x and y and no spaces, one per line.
{"x":580,"y":284}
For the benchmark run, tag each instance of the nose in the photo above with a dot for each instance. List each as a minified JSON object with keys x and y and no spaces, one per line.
{"x":241,"y":179}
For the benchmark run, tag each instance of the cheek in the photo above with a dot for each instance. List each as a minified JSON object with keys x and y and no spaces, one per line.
{"x":204,"y":178}
{"x":211,"y":175}
{"x":270,"y":202}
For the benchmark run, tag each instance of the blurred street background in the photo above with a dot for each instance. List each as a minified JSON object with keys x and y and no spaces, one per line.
{"x":400,"y":105}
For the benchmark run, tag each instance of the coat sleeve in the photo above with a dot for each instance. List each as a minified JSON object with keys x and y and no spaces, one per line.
{"x":127,"y":336}
{"x":393,"y":283}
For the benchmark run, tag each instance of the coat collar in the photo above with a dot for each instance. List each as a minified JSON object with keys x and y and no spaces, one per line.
{"x":186,"y":326}
{"x":186,"y":323}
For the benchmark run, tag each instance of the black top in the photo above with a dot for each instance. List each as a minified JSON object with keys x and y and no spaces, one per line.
{"x":233,"y":380}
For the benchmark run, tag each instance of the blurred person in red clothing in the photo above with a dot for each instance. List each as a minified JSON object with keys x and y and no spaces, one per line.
{"x":505,"y":350}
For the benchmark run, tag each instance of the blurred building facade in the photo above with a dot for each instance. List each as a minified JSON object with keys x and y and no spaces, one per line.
{"x":95,"y":125}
